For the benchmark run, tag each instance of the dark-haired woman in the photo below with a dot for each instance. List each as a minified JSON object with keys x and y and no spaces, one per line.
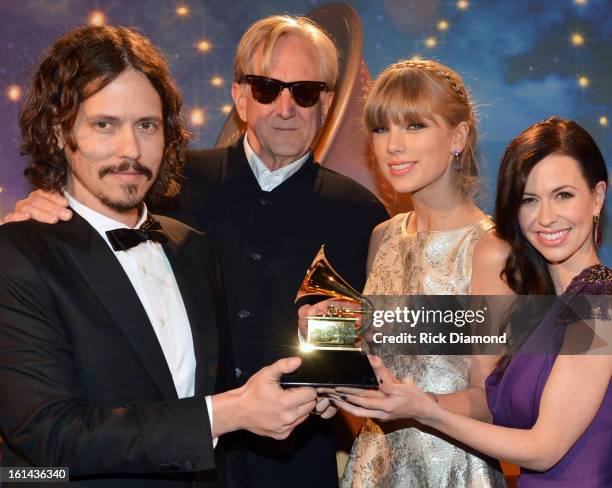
{"x":552,"y":413}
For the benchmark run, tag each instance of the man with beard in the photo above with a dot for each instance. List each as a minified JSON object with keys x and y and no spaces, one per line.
{"x":113,"y":339}
{"x":268,"y":206}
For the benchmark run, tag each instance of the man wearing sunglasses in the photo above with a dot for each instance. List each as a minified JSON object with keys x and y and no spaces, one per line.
{"x":268,"y":207}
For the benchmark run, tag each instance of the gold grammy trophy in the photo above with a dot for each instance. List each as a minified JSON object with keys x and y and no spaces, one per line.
{"x":331,"y":352}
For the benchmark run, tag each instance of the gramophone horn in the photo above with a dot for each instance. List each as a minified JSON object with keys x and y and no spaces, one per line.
{"x":323,"y":280}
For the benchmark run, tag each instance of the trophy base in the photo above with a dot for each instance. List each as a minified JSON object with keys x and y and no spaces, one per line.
{"x":331,"y":368}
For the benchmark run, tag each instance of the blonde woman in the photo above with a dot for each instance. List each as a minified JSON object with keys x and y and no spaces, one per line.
{"x":423,"y":130}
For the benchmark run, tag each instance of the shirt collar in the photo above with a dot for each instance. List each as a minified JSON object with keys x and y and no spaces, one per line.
{"x":262,"y":173}
{"x":102,"y":223}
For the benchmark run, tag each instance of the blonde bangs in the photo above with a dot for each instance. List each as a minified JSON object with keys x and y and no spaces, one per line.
{"x":417,"y":91}
{"x":400,"y":98}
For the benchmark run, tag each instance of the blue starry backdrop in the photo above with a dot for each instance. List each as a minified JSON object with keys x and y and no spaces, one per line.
{"x":523,"y":60}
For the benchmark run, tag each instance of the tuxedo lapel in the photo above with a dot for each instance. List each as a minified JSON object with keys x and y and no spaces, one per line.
{"x":185,"y":257}
{"x":100,"y":268}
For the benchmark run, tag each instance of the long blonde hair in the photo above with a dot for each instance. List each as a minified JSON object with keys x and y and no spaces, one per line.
{"x":411,"y":90}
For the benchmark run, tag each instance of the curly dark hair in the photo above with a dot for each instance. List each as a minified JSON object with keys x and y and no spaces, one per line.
{"x":77,"y":66}
{"x":526,"y":271}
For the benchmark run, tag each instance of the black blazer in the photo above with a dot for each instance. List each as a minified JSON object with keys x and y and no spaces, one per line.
{"x":265,"y":242}
{"x":83,"y":379}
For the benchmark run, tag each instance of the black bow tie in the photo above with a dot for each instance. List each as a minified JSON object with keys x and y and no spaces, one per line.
{"x":124,"y":239}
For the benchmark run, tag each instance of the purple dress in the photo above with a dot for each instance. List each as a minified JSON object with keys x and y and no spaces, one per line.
{"x":514,"y":400}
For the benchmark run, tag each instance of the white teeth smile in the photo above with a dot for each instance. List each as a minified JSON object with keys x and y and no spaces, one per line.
{"x":400,"y":166}
{"x":554,"y":236}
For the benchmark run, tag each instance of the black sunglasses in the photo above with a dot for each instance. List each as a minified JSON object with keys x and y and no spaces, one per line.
{"x":265,"y":90}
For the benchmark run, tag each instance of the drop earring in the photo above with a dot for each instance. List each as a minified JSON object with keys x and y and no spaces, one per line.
{"x":596,"y":231}
{"x":457,"y":166}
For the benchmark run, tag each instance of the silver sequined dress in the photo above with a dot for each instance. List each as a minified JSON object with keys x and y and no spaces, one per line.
{"x":399,"y":454}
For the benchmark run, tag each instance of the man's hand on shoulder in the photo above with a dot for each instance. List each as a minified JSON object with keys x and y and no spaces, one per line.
{"x":40,"y":205}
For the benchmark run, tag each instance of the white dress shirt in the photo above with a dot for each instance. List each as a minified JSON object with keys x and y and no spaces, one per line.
{"x":150,"y":273}
{"x":268,"y":180}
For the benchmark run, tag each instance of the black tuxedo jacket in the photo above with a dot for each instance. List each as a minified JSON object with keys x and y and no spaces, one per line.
{"x":83,"y":380}
{"x":265,"y":242}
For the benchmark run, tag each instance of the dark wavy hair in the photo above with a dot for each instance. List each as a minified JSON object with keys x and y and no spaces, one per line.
{"x":526,"y":271}
{"x":77,"y":66}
